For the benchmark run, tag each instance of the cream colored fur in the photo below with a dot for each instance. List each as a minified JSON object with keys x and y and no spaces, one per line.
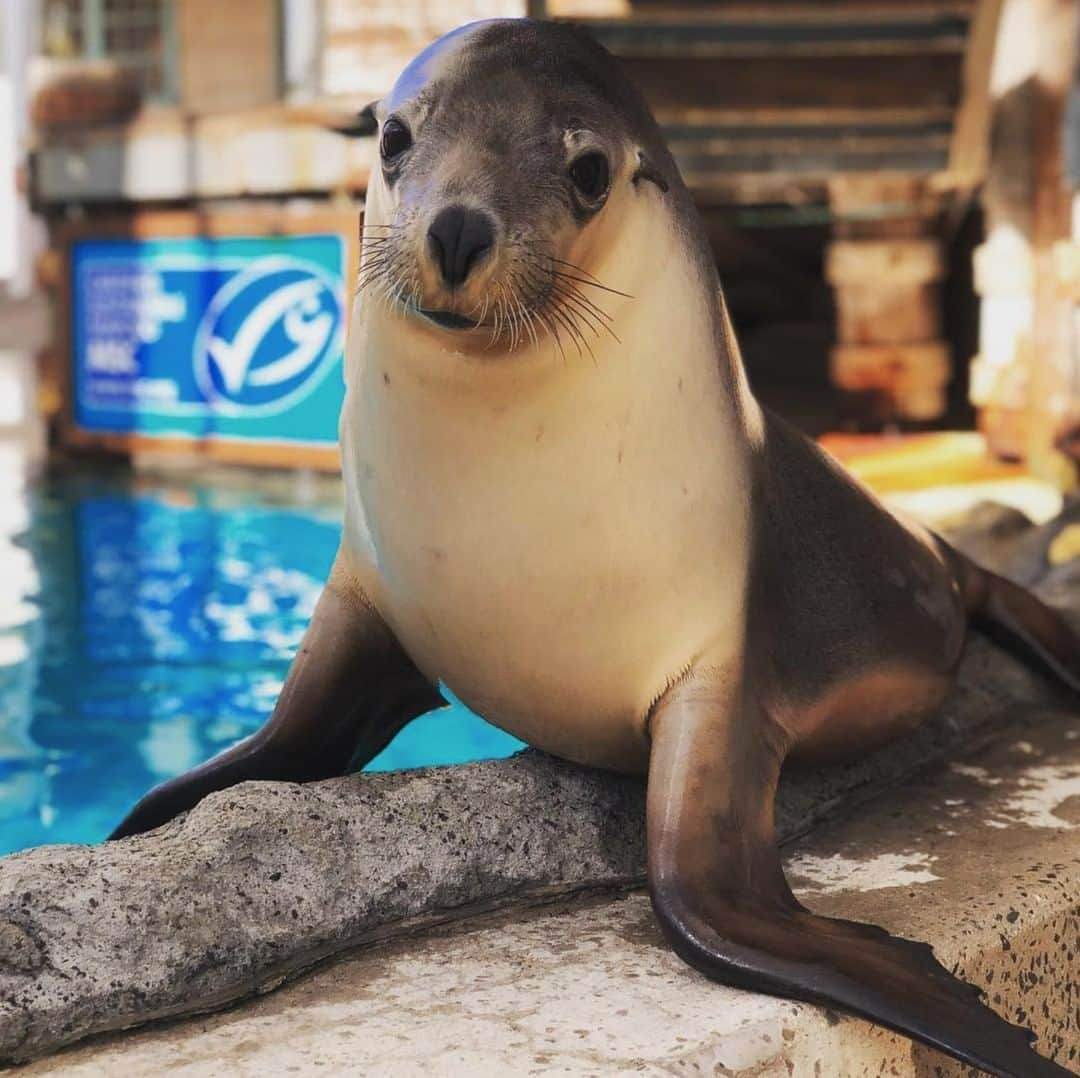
{"x":556,"y":540}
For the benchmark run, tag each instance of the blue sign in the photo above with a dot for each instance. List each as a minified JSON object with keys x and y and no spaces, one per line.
{"x":232,"y":338}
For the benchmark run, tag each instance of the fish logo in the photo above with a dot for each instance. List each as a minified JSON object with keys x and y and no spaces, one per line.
{"x":268,"y":336}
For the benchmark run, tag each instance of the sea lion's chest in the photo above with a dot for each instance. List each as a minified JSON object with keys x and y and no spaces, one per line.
{"x":554,"y":549}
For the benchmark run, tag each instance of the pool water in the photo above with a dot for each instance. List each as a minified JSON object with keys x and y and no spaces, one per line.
{"x":147,"y":624}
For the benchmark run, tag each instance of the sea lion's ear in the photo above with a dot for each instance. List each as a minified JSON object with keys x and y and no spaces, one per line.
{"x":362,"y":125}
{"x":646,"y":170}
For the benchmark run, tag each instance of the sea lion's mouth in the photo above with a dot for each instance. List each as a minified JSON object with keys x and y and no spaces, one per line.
{"x":448,"y":319}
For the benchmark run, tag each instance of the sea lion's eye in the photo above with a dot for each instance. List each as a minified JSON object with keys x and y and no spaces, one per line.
{"x":591,"y":174}
{"x":396,"y":139}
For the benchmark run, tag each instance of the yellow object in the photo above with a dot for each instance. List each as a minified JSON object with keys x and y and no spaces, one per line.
{"x":916,"y":462}
{"x":1066,"y":545}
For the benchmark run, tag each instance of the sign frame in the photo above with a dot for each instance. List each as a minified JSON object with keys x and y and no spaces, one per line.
{"x":343,"y":219}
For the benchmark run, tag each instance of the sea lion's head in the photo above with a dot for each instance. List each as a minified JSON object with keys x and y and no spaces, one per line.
{"x":509,"y":154}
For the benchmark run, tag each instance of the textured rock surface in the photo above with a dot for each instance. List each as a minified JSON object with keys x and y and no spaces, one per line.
{"x":590,"y":988}
{"x":265,"y":879}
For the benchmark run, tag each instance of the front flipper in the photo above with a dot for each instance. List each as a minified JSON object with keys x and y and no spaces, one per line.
{"x":350,"y":689}
{"x":719,"y":891}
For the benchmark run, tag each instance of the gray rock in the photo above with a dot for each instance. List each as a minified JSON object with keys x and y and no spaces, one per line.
{"x":263,"y":880}
{"x":1007,"y":548}
{"x":991,"y":534}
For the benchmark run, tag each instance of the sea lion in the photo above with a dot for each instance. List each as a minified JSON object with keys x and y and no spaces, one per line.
{"x":564,"y":503}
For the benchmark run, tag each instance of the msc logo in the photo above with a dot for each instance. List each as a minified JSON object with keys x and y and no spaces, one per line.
{"x":268,"y":335}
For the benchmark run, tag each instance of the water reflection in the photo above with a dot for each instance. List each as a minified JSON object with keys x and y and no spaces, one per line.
{"x":146,"y":625}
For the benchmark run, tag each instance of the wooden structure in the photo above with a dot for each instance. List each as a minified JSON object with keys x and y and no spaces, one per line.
{"x":1026,"y":378}
{"x":871,"y":114}
{"x":866,"y":120}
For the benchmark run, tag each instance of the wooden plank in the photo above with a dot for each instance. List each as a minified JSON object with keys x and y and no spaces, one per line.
{"x":771,"y":11}
{"x":877,"y":313}
{"x":212,"y":35}
{"x":692,"y":114}
{"x":823,"y":51}
{"x":879,"y":148}
{"x":913,"y":376}
{"x":824,"y":149}
{"x":823,"y":133}
{"x":861,"y":196}
{"x":822,"y":164}
{"x":884,"y":264}
{"x":970,"y":150}
{"x":165,"y":156}
{"x":798,"y":82}
{"x":804,"y":195}
{"x":721,"y":35}
{"x":781,"y":199}
{"x":886,"y":291}
{"x":728,"y":150}
{"x":810,"y":157}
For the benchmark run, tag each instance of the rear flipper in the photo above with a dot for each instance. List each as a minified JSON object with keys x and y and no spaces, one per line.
{"x":1018,"y":620}
{"x":721,"y":897}
{"x":350,"y":689}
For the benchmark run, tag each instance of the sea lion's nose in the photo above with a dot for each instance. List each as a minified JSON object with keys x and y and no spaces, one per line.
{"x":459,"y":238}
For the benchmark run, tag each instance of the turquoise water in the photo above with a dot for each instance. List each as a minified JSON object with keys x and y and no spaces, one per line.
{"x":146,"y":625}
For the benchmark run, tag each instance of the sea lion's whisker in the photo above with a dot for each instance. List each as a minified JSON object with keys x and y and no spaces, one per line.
{"x":496,"y":317}
{"x":523,"y":311}
{"x":519,"y":307}
{"x":593,"y":284}
{"x":582,"y":275}
{"x":511,"y":317}
{"x":371,"y":269}
{"x":573,"y":266}
{"x":366,"y":281}
{"x":574,"y":294}
{"x":528,"y":319}
{"x":565,"y":284}
{"x":600,"y":318}
{"x":375,"y":258}
{"x":584,"y":316}
{"x":559,"y":312}
{"x":590,"y":303}
{"x":553,"y":332}
{"x":571,"y":299}
{"x":370,"y":284}
{"x":508,"y":314}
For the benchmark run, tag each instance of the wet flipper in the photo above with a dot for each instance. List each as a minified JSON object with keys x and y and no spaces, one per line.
{"x":1023,"y":623}
{"x":1018,"y":620}
{"x":350,"y":689}
{"x":719,"y":891}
